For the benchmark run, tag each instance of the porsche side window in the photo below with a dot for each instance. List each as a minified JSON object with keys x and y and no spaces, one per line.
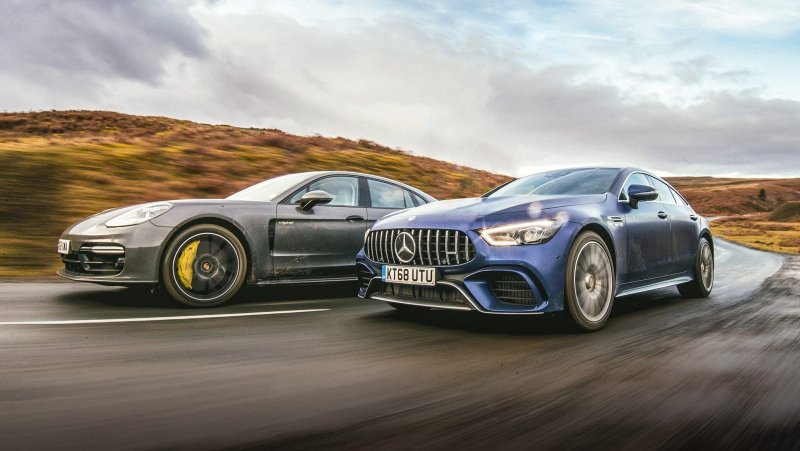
{"x":635,"y":179}
{"x":343,"y":189}
{"x":386,"y":195}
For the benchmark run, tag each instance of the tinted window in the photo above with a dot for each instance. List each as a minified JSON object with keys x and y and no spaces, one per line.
{"x":664,"y":192}
{"x":571,"y":181}
{"x":634,"y":179}
{"x":343,"y":189}
{"x":386,"y":195}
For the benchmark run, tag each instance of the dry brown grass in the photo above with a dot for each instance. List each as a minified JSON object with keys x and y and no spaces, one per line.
{"x":759,"y":233}
{"x":58,"y":167}
{"x":731,"y":196}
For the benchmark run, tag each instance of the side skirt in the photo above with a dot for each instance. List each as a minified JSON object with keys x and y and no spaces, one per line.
{"x":654,"y":286}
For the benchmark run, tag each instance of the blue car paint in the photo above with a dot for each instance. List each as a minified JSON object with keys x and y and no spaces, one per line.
{"x":543,"y":266}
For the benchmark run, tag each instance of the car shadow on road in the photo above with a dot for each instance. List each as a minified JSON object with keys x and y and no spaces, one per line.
{"x":646,"y":304}
{"x":297,"y":292}
{"x":147,"y":298}
{"x":475,"y":322}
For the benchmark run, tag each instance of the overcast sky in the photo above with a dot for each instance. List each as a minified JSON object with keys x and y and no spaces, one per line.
{"x":682,"y":87}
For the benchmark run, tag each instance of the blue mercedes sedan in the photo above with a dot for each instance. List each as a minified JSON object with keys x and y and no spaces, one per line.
{"x":568,"y":241}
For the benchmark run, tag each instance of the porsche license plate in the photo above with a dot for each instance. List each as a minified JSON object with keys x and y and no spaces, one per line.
{"x":63,"y":246}
{"x":411,"y":275}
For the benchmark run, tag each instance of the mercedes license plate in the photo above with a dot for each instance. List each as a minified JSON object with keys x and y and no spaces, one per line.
{"x":411,"y":275}
{"x":63,"y":246}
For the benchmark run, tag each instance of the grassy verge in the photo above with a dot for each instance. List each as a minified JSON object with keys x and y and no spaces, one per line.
{"x":758,"y":233}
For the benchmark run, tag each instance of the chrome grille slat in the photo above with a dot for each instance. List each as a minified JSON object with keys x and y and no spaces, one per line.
{"x":433,"y":247}
{"x":392,"y":236}
{"x":374,"y":247}
{"x":455,"y":246}
{"x":447,"y":247}
{"x":385,"y":242}
{"x":428,"y":245}
{"x":419,"y":248}
{"x":438,"y":257}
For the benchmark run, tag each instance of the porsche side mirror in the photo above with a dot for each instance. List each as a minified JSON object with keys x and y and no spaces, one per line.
{"x":312,"y":198}
{"x":639,"y":193}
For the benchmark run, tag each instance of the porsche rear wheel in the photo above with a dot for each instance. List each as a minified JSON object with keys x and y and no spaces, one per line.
{"x":589,"y":285}
{"x":204,"y":266}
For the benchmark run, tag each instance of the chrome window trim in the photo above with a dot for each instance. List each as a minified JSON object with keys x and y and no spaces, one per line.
{"x":672,"y":189}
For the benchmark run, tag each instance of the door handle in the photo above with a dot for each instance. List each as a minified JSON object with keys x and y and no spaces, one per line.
{"x":662,"y":215}
{"x":355,"y":218}
{"x":693,"y":217}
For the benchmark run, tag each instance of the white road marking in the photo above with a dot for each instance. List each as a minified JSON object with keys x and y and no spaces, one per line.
{"x":155,"y":318}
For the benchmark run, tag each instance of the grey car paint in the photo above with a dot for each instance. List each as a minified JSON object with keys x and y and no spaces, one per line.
{"x":284,"y":243}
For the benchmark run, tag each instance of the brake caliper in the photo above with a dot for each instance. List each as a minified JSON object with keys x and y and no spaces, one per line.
{"x":185,"y":263}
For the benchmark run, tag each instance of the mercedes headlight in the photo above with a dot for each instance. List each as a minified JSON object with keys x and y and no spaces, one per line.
{"x":139,"y":214}
{"x":531,"y":232}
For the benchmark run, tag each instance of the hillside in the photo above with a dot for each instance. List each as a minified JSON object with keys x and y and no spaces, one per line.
{"x":788,"y":212}
{"x":735,"y":196}
{"x":58,"y":167}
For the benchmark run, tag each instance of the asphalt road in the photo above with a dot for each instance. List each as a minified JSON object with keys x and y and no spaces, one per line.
{"x":85,"y":367}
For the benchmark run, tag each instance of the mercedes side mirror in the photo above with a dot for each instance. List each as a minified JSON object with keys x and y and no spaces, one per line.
{"x":312,"y":198}
{"x":639,"y":193}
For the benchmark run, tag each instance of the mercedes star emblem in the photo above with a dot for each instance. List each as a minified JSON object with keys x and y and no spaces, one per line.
{"x":404,"y":246}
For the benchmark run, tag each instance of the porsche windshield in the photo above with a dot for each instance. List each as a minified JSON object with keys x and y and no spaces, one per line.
{"x":570,"y":181}
{"x":268,"y":189}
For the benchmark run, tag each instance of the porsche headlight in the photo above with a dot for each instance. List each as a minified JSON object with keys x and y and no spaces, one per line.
{"x":531,"y":232}
{"x":139,"y":214}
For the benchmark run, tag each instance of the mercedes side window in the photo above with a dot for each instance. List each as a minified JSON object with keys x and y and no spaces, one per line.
{"x":386,"y":195}
{"x":636,"y":178}
{"x":664,"y":191}
{"x":343,"y":189}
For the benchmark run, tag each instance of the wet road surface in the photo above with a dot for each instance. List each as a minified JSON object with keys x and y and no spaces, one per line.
{"x":112,"y":368}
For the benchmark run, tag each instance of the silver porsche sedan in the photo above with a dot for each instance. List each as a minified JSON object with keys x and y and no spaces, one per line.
{"x":297,"y":228}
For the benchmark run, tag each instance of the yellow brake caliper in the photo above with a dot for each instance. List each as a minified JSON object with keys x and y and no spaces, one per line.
{"x":185,"y":262}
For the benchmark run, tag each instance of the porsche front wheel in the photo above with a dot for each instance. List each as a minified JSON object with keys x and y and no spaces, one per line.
{"x":204,"y":266}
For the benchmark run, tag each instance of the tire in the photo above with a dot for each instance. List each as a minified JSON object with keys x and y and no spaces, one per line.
{"x":589,"y":283}
{"x":703,"y":281}
{"x":204,"y":266}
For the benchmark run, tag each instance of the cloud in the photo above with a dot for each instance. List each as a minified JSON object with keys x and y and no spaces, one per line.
{"x":89,"y":41}
{"x":700,"y":69}
{"x":721,"y":133}
{"x":477,"y":85}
